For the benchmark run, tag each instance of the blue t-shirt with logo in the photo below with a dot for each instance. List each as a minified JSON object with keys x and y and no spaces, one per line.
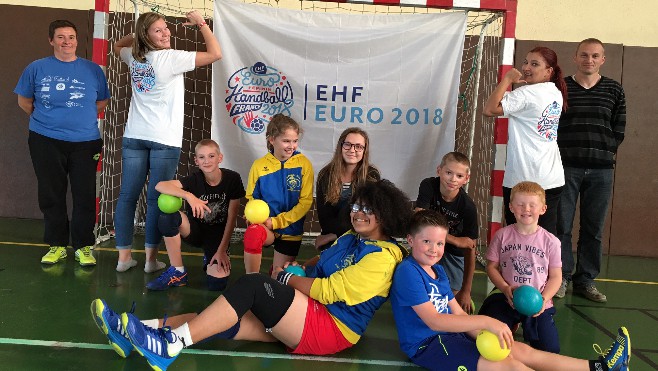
{"x":65,"y":96}
{"x":413,"y":286}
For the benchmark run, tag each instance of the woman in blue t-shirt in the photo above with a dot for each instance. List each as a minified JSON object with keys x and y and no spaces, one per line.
{"x":63,"y":95}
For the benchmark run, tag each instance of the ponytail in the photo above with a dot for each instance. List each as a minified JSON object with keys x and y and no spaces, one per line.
{"x":561,"y":85}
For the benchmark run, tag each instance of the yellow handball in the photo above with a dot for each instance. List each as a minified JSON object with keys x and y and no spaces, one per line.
{"x":256,"y":211}
{"x":489,"y":347}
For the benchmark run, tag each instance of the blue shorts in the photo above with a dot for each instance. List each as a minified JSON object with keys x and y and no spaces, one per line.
{"x":540,"y":332}
{"x":454,"y":267}
{"x":448,"y":352}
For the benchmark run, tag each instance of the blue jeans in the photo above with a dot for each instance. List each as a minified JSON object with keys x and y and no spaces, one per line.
{"x":139,"y":158}
{"x":453,"y":265}
{"x":594,"y":186}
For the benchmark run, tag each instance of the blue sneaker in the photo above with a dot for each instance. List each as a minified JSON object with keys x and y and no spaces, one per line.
{"x":618,"y":355}
{"x":152,"y":343}
{"x":109,"y":322}
{"x":168,"y":278}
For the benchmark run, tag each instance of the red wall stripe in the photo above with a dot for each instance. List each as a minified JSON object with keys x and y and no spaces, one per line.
{"x":99,"y":56}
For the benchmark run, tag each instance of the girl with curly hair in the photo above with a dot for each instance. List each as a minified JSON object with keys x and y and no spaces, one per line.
{"x":323,"y":313}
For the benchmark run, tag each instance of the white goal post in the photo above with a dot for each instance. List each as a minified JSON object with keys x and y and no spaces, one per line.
{"x":488,"y":53}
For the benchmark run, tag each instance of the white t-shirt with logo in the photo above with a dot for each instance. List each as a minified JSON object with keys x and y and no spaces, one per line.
{"x":158,"y":95}
{"x":532,"y":150}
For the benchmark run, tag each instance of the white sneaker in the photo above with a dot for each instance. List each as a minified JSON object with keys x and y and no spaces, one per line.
{"x":591,"y":292}
{"x":562,"y":291}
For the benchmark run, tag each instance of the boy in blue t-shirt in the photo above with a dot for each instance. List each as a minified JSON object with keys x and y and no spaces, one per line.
{"x":444,"y":193}
{"x":436,"y":333}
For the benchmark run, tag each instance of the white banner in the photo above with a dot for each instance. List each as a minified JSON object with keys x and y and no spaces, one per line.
{"x":396,"y":76}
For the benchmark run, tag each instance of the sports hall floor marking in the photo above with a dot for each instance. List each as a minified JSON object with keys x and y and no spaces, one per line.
{"x":28,"y":342}
{"x":184,"y":253}
{"x":66,"y":344}
{"x":639,"y":353}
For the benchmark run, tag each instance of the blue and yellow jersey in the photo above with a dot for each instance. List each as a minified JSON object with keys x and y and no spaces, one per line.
{"x":287,"y":187}
{"x":353,"y":279}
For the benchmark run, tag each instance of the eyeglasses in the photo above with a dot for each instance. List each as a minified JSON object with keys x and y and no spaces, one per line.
{"x":357,"y":147}
{"x":362,"y":208}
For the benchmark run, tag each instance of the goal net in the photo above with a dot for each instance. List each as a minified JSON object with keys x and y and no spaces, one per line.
{"x":474,"y":133}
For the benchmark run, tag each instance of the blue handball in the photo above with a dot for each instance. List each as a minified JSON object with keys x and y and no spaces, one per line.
{"x":527,"y":300}
{"x":297,"y":270}
{"x":257,"y":125}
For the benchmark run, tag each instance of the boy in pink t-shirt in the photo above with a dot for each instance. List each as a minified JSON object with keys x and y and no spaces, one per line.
{"x":524,"y":253}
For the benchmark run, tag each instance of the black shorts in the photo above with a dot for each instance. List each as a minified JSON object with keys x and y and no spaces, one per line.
{"x":209,"y":242}
{"x":285,"y":247}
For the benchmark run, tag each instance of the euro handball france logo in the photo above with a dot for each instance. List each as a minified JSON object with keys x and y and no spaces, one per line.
{"x":550,"y":117}
{"x":255,"y":94}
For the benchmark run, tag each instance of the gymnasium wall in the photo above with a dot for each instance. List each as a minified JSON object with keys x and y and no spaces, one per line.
{"x":627,"y":22}
{"x":24,"y":40}
{"x":633,"y":209}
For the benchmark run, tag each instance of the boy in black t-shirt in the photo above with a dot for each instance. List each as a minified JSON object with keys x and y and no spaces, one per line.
{"x":213,"y":196}
{"x":445,"y":195}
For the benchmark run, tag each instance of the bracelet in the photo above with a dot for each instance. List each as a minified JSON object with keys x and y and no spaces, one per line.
{"x":201,"y":25}
{"x":284,"y":277}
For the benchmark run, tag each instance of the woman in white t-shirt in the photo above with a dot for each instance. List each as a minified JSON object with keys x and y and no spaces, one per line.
{"x":534,"y":111}
{"x":154,"y":131}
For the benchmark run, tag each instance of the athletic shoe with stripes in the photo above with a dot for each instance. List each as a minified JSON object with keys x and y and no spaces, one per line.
{"x":109,"y":322}
{"x":153,"y":344}
{"x":168,"y":278}
{"x":618,"y":355}
{"x":54,"y":254}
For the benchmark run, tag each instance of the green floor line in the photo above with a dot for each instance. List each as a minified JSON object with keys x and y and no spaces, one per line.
{"x":66,"y":344}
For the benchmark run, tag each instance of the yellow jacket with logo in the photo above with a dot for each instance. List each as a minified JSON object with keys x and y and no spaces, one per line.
{"x":287,"y":188}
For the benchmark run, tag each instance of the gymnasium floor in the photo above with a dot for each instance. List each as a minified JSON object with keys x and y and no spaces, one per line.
{"x":45,"y":322}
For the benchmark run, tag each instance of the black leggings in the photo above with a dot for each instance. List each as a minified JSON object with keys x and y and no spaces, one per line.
{"x":266,"y":298}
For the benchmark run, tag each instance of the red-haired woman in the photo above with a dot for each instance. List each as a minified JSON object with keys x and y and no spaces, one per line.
{"x":534,"y":111}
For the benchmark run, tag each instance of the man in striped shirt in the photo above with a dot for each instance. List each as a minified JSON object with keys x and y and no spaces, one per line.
{"x":589,"y":134}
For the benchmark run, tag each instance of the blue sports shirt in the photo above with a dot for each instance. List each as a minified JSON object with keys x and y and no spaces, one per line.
{"x":413,"y":286}
{"x":65,"y":96}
